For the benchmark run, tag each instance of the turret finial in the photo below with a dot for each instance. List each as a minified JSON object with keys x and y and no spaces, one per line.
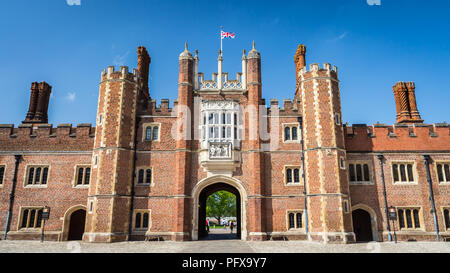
{"x":253,"y":45}
{"x":186,"y":47}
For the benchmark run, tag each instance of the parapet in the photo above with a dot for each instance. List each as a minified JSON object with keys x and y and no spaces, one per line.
{"x":289,"y":107}
{"x":44,"y":137}
{"x":111,"y":74}
{"x":325,"y":71}
{"x":398,"y":137}
{"x":161,"y":109}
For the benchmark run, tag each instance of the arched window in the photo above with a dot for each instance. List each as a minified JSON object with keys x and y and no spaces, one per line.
{"x":24,"y":218}
{"x":440,"y":173}
{"x":366,"y":172}
{"x":416,"y":218}
{"x":80,"y":176}
{"x":138,"y":220}
{"x":358,"y":172}
{"x":408,"y":218}
{"x":296,"y":176}
{"x":395,"y":172}
{"x":148,"y":176}
{"x":287,"y":133}
{"x":141,"y":177}
{"x":402,"y":172}
{"x":351,"y":171}
{"x":291,"y":220}
{"x":294,"y":133}
{"x":38,"y":175}
{"x":299,"y":220}
{"x":148,"y":133}
{"x":288,"y":175}
{"x":155,"y":133}
{"x":410,"y":173}
{"x":447,"y":218}
{"x":145,"y":220}
{"x":401,"y":219}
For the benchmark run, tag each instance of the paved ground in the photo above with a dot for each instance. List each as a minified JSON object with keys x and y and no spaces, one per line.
{"x":225,"y":244}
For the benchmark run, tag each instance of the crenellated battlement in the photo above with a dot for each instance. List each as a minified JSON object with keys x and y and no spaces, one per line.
{"x":123,"y":73}
{"x":289,"y":106}
{"x":162,"y":108}
{"x":45,"y":137}
{"x":316,"y":71}
{"x":401,"y":137}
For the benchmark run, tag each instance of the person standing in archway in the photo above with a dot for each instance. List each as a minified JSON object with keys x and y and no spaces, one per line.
{"x":231,"y":226}
{"x":207,"y":225}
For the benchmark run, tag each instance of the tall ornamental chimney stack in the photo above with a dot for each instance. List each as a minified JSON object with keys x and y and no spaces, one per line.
{"x":405,"y":102}
{"x":143,"y":66}
{"x":300,"y":62}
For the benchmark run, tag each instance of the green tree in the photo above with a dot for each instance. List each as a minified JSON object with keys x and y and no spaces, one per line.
{"x":221,"y":204}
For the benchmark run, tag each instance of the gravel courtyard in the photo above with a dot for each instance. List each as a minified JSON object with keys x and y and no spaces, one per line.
{"x":221,"y":246}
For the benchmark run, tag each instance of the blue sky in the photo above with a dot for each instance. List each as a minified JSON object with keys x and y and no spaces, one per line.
{"x":374,"y":46}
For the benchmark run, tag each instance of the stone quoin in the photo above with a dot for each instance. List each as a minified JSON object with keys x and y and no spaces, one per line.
{"x":143,"y":172}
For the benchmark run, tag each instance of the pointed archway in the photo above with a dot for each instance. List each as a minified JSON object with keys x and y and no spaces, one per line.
{"x":362,"y":225}
{"x":76,"y":226}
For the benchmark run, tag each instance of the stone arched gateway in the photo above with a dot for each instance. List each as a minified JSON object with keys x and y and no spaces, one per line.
{"x":372,"y":218}
{"x":230,"y":184}
{"x":68,"y":224}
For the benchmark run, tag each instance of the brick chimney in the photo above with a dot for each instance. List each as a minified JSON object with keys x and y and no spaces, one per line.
{"x":143,"y":66}
{"x":300,"y":62}
{"x":39,"y":100}
{"x":405,"y":101}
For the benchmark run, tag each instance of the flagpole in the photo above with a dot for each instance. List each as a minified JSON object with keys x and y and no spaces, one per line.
{"x":221,"y":29}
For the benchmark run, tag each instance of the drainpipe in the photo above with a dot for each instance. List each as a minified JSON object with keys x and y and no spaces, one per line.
{"x":433,"y":206}
{"x":380,"y":158}
{"x":133,"y":180}
{"x":12,"y":195}
{"x":300,"y":121}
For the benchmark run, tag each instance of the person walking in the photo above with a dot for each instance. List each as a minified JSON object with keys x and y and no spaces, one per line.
{"x":207,"y":225}
{"x":231,"y":226}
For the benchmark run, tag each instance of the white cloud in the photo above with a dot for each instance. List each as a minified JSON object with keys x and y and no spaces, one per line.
{"x":71,"y":96}
{"x":120,"y":59}
{"x":342,"y":36}
{"x":73,"y":2}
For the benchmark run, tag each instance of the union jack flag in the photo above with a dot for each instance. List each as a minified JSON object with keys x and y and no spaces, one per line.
{"x":226,"y":34}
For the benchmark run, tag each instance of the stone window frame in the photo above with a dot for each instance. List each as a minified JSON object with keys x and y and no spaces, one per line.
{"x":27,"y":173}
{"x":91,"y":205}
{"x":100,"y":119}
{"x":290,"y":125}
{"x":446,"y":179}
{"x":142,"y":211}
{"x":446,"y":223}
{"x":346,"y":206}
{"x":2,"y":179}
{"x":342,"y":163}
{"x":151,"y":124}
{"x":21,"y":214}
{"x":414,"y":170}
{"x":94,"y":162}
{"x":290,"y":184}
{"x":412,"y":208}
{"x":144,"y":184}
{"x":361,"y":162}
{"x":295,"y":212}
{"x":75,"y":177}
{"x":337,"y":119}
